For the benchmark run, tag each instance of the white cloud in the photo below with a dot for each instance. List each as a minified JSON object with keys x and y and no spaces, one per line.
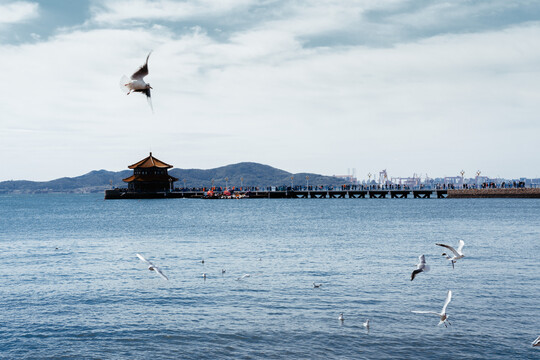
{"x":18,"y":11}
{"x":115,"y":11}
{"x":437,"y":105}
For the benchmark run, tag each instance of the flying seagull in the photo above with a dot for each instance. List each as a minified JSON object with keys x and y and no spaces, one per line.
{"x":317,"y":285}
{"x":420,"y":267}
{"x":457,"y":253}
{"x":536,"y":342}
{"x":442,"y":314}
{"x":243,"y":276}
{"x":341,"y":318}
{"x":137,"y":83}
{"x":152,"y":267}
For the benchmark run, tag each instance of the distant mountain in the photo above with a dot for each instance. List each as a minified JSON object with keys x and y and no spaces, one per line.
{"x":94,"y":181}
{"x":253,"y":174}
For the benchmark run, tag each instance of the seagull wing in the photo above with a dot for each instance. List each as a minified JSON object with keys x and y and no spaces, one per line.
{"x":142,"y":72}
{"x":149,"y":98}
{"x":415,"y":272}
{"x":143,"y":259}
{"x":425,"y":312}
{"x":536,"y":342}
{"x":447,"y":301}
{"x":450,"y":248}
{"x":147,"y":93}
{"x":160,"y":273}
{"x":460,"y":246}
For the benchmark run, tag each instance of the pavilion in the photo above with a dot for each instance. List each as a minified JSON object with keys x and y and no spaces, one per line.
{"x":150,"y":176}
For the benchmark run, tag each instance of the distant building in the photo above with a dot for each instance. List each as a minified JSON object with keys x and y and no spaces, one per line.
{"x":150,"y":176}
{"x":347,"y":178}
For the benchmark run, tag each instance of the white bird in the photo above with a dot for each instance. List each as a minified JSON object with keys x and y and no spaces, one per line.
{"x":457,"y":253}
{"x":366,"y":324}
{"x":152,"y":267}
{"x":243,"y":276}
{"x":204,"y":276}
{"x":341,"y":318}
{"x":443,"y":316}
{"x":223,"y":271}
{"x":317,"y":285}
{"x":137,"y":83}
{"x":421,"y":266}
{"x":536,"y":342}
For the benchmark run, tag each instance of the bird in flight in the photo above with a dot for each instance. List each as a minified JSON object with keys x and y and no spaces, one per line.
{"x":442,"y":315}
{"x":536,"y":342}
{"x":458,"y":254}
{"x":420,"y":267}
{"x":137,"y":83}
{"x":152,"y":267}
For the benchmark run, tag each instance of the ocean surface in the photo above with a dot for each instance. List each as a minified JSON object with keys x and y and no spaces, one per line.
{"x":73,"y":288}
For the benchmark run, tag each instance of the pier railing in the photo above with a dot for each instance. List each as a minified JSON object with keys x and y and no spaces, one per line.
{"x":325,"y":192}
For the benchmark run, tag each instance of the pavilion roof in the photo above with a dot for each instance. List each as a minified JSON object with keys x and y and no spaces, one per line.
{"x":147,"y":178}
{"x":149,"y":162}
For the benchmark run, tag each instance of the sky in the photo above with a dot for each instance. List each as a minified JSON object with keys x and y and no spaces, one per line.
{"x":411,"y":86}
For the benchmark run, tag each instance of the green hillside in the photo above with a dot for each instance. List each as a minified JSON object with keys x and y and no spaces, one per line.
{"x":253,"y":174}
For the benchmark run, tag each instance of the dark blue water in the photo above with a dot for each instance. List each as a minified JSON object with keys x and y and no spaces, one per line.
{"x":93,"y":298}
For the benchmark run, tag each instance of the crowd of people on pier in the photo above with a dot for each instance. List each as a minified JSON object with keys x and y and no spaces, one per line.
{"x":354,"y":187}
{"x":357,"y":187}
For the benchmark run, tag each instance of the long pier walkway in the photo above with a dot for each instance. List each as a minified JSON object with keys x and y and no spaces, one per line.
{"x":287,"y":194}
{"x":350,"y":194}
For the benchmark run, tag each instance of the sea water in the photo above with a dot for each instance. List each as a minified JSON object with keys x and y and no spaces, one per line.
{"x":72,"y":286}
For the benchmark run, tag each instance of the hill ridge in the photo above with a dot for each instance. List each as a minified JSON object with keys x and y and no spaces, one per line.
{"x":242,"y":173}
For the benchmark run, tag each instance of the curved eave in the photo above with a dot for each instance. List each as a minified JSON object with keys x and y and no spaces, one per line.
{"x":148,"y":178}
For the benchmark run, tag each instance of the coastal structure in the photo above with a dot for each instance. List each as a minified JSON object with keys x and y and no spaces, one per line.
{"x":150,"y":175}
{"x":150,"y":179}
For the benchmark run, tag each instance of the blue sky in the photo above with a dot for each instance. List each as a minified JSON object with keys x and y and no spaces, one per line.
{"x":425,"y":87}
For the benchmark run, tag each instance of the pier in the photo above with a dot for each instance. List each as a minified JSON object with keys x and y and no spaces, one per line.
{"x":150,"y":180}
{"x":330,"y":194}
{"x":283,"y":194}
